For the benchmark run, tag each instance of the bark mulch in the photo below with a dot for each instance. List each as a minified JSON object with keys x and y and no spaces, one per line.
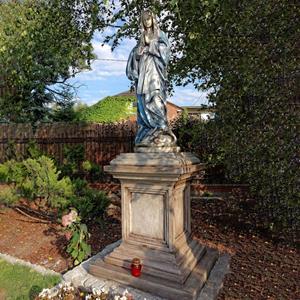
{"x":260,"y":267}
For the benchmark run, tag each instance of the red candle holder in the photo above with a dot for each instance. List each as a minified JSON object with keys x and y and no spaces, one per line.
{"x":136,"y":267}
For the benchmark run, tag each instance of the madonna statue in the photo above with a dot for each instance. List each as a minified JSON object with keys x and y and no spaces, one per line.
{"x":147,"y":67}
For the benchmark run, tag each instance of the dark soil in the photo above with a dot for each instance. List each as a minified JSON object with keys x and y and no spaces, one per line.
{"x":260,"y":267}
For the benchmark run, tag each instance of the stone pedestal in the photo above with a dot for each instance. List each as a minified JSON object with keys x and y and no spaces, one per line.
{"x":156,"y":226}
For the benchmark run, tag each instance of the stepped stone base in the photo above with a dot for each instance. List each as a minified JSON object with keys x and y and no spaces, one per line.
{"x":163,"y":283}
{"x":156,"y":226}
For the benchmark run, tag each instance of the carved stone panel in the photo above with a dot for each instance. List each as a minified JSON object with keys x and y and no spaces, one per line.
{"x":147,"y":215}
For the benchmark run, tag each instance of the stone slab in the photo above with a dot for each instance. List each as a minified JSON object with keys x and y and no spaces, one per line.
{"x":161,"y":286}
{"x":81,"y":278}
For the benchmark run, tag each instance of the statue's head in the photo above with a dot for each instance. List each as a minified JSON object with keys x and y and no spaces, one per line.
{"x":148,"y":20}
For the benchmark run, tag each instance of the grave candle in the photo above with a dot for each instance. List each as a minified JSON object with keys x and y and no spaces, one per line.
{"x":136,"y":267}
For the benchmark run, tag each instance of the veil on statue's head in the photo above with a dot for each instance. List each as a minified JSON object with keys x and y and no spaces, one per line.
{"x":155,"y":27}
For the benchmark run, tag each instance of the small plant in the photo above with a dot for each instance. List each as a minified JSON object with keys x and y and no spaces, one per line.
{"x":207,"y":194}
{"x":78,"y":247}
{"x":93,"y":171}
{"x":10,"y":151}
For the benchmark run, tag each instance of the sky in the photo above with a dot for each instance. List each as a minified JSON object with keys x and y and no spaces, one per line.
{"x":107,"y":78}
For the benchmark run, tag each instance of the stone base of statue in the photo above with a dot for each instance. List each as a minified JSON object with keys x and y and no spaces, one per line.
{"x":156,"y":226}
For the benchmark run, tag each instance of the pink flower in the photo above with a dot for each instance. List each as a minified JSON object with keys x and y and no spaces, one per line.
{"x":68,"y":235}
{"x":69,"y":218}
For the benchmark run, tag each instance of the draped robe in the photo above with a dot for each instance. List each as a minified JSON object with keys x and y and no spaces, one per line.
{"x":149,"y":72}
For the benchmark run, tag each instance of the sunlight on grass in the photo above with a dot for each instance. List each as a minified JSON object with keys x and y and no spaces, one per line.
{"x":19,"y":282}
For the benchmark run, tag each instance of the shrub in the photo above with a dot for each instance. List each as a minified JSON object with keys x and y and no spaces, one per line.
{"x":90,"y":203}
{"x":11,"y":172}
{"x":73,"y":158}
{"x":42,"y":181}
{"x":8,"y":196}
{"x":37,"y":178}
{"x":265,"y":158}
{"x":202,"y":139}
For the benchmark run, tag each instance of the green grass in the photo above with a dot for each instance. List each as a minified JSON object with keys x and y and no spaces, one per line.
{"x":19,"y":282}
{"x":109,"y":110}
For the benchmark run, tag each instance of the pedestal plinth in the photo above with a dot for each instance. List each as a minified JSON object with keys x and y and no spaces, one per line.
{"x":156,"y":226}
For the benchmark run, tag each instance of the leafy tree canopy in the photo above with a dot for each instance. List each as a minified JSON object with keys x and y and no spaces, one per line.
{"x":247,"y":54}
{"x":42,"y":44}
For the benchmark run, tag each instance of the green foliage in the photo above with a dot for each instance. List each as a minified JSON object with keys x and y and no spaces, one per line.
{"x":8,"y":197}
{"x":93,"y":172}
{"x":73,"y":158}
{"x":109,"y":110}
{"x":63,"y":111}
{"x":10,"y":151}
{"x":42,"y":44}
{"x":22,"y":282}
{"x":87,"y":166}
{"x":78,"y":247}
{"x":32,"y":150}
{"x":246,"y":54}
{"x":203,"y":139}
{"x":11,"y":172}
{"x":37,"y":178}
{"x":90,"y":203}
{"x":42,"y":182}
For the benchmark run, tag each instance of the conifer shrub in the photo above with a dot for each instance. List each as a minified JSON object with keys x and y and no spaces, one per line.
{"x":37,"y":179}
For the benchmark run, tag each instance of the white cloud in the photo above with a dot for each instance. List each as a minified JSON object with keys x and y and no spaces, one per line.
{"x":185,"y":96}
{"x":101,"y":69}
{"x":91,"y":97}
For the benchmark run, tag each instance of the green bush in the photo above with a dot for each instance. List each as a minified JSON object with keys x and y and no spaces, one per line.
{"x":37,"y":178}
{"x":90,"y":203}
{"x":12,"y":171}
{"x":93,"y":171}
{"x":73,"y":158}
{"x":32,"y":150}
{"x":265,"y":158}
{"x":109,"y":110}
{"x":8,"y":196}
{"x":203,"y":139}
{"x":42,"y":181}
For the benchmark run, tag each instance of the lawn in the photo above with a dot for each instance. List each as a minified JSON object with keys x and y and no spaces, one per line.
{"x":20,"y":282}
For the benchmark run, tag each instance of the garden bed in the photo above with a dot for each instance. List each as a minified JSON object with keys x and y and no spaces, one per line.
{"x":260,"y":267}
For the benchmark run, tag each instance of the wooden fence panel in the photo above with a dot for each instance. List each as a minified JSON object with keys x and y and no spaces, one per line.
{"x":101,"y":142}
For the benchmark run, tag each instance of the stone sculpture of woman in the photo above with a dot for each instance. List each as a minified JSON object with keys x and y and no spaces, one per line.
{"x":147,"y":67}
